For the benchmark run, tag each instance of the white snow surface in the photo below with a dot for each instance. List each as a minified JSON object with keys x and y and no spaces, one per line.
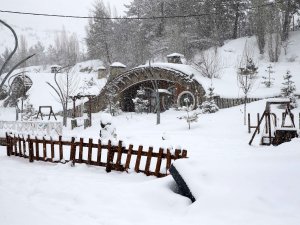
{"x":234,"y":183}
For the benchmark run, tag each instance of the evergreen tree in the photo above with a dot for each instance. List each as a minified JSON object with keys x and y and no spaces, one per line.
{"x":268,"y":81}
{"x":209,"y":106}
{"x":289,"y":88}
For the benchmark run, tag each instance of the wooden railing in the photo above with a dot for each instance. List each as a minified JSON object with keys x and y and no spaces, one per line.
{"x":113,"y":157}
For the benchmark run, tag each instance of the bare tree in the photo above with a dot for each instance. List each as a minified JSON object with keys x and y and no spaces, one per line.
{"x":65,"y":86}
{"x":210,"y":64}
{"x":6,"y":76}
{"x":246,"y":76}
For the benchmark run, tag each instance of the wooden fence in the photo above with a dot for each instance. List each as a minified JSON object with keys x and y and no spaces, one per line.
{"x":230,"y":102}
{"x":91,"y":153}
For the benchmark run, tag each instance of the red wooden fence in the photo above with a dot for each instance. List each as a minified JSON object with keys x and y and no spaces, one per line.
{"x":112,"y":157}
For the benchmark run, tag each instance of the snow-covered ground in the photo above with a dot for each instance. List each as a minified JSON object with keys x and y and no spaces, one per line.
{"x":234,"y":183}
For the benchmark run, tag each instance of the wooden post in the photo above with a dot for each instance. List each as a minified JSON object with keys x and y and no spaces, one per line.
{"x":30,"y":144}
{"x":258,"y":130}
{"x":8,"y":144}
{"x":15,"y":146}
{"x":109,"y":158}
{"x":168,"y":161}
{"x":148,"y":162}
{"x":90,"y":149}
{"x":73,"y":151}
{"x":20,"y":146}
{"x":52,"y":151}
{"x":99,"y":152}
{"x":80,"y":149}
{"x":184,"y":153}
{"x":128,"y":159}
{"x":37,"y":153}
{"x":138,"y":159}
{"x":177,"y":154}
{"x":24,"y":145}
{"x":249,"y":124}
{"x":61,"y":153}
{"x":158,"y":163}
{"x":44,"y":149}
{"x":119,"y":156}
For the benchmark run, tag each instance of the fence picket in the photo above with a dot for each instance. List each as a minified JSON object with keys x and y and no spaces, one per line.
{"x":128,"y":159}
{"x":109,"y":157}
{"x":119,"y":156}
{"x":44,"y":150}
{"x":37,"y":152}
{"x":61,"y":153}
{"x":158,"y":163}
{"x":138,"y":159}
{"x":99,"y":146}
{"x":80,"y":149}
{"x":90,"y":151}
{"x":148,"y":162}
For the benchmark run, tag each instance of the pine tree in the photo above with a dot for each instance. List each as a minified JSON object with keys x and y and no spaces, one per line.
{"x":268,"y":81}
{"x":209,"y":106}
{"x":289,"y":88}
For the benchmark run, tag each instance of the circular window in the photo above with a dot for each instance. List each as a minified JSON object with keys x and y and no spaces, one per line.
{"x":186,"y":99}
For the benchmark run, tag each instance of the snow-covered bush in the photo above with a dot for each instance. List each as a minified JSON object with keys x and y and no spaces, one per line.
{"x":209,"y":106}
{"x":107,"y":129}
{"x":289,"y":88}
{"x":140,"y":103}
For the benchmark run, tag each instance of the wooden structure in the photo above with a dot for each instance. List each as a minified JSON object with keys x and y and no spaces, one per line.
{"x":50,"y":112}
{"x":127,"y":81}
{"x":111,"y":157}
{"x":274,"y":135}
{"x":76,"y":97}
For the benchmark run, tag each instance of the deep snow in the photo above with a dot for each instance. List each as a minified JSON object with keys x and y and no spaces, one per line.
{"x":234,"y":183}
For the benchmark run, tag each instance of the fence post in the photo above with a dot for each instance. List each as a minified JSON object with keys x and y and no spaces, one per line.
{"x":119,"y":156}
{"x":158,"y":163}
{"x":99,"y":152}
{"x":184,"y":153}
{"x":249,"y":124}
{"x":148,"y":162}
{"x":8,"y":145}
{"x":109,"y":157}
{"x":44,"y":149}
{"x":30,"y":146}
{"x":61,"y":153}
{"x":90,"y":149}
{"x":168,"y":161}
{"x":138,"y":159}
{"x":37,"y":149}
{"x":127,"y":164}
{"x":73,"y":151}
{"x":80,"y":149}
{"x":20,"y":146}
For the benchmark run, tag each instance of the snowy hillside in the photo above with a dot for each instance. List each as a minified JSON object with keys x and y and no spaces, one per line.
{"x":231,"y":54}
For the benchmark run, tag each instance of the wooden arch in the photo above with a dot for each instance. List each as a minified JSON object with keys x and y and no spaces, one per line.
{"x":142,"y":74}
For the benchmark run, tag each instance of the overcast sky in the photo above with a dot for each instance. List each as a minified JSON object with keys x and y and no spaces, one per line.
{"x":67,"y":7}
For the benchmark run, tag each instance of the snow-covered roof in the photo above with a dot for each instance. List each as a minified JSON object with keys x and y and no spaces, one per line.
{"x":175,"y":55}
{"x":55,"y":66}
{"x":101,"y":68}
{"x":165,"y":91}
{"x":117,"y":64}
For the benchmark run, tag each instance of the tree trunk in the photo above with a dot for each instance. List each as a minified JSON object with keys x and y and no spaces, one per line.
{"x":286,"y":23}
{"x":237,"y":15}
{"x":245,"y":110}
